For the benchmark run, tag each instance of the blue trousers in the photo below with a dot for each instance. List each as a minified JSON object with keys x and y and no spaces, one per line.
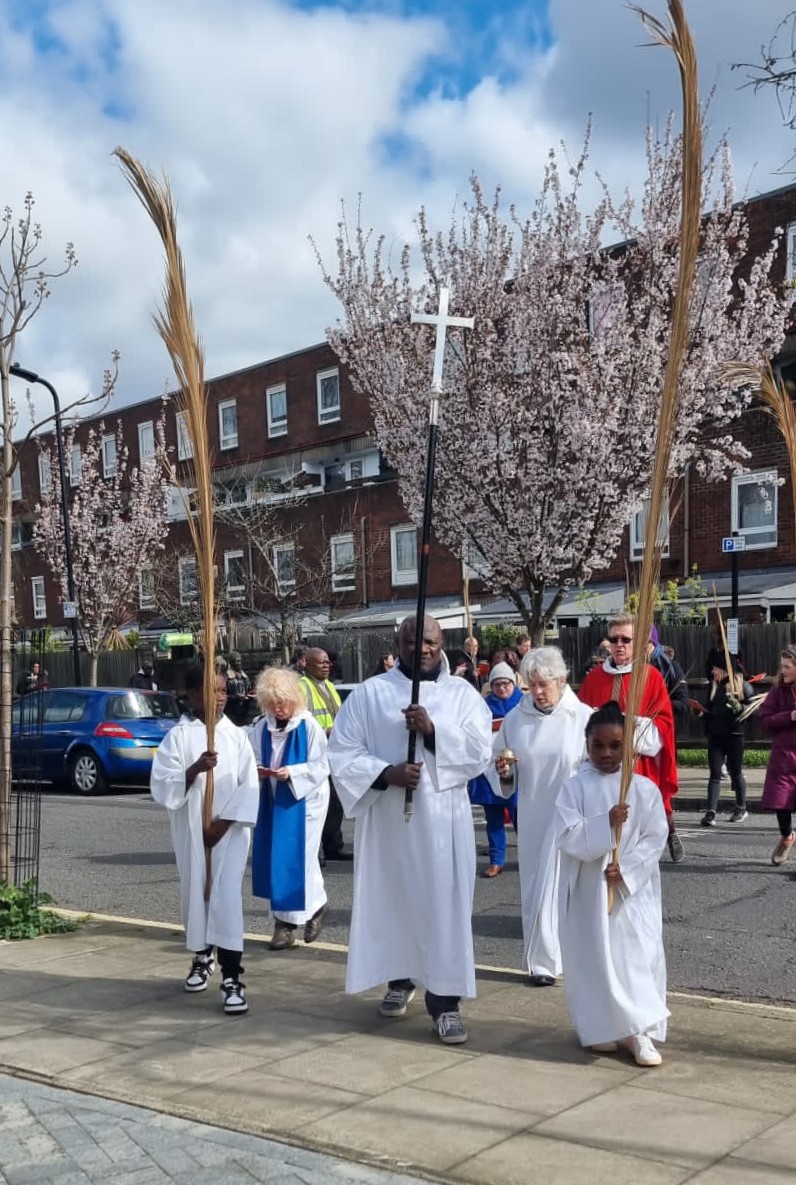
{"x":496,"y":830}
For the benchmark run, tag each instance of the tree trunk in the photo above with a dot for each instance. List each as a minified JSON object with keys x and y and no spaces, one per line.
{"x":92,"y":671}
{"x":6,"y":498}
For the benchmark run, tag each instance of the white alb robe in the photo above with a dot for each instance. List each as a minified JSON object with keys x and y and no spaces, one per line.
{"x":549,"y":748}
{"x":218,"y":922}
{"x":308,"y":780}
{"x":413,"y":882}
{"x":614,"y":964}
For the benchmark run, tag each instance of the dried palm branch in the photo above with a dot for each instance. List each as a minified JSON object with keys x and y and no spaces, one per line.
{"x":676,"y":37}
{"x":175,"y":324}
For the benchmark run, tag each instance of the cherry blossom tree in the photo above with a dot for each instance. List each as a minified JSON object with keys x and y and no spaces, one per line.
{"x":549,"y":404}
{"x":118,"y":518}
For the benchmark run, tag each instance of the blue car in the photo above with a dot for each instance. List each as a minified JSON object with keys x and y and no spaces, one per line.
{"x":89,"y":737}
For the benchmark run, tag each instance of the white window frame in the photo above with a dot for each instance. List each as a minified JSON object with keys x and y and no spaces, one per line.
{"x":16,"y":483}
{"x":109,"y":470}
{"x":184,"y":563}
{"x":39,"y":598}
{"x":790,"y":253}
{"x":235,"y":592}
{"x":344,"y":577}
{"x":146,"y":595}
{"x":329,"y":415}
{"x":45,"y":475}
{"x":184,"y":443}
{"x":754,"y":536}
{"x":284,"y":549}
{"x":403,"y":575}
{"x":146,"y":451}
{"x":75,"y":465}
{"x":229,"y":441}
{"x":637,"y":531}
{"x":276,"y":427}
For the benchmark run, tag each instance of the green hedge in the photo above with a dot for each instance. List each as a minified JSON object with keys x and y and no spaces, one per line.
{"x":698,"y":758}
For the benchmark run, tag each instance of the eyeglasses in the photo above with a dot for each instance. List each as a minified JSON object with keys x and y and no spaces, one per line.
{"x":620,"y":639}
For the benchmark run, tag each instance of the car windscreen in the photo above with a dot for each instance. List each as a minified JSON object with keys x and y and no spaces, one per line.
{"x":139,"y":705}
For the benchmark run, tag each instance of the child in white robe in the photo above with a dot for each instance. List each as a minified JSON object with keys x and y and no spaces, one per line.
{"x":614,"y":964}
{"x":179,"y":776}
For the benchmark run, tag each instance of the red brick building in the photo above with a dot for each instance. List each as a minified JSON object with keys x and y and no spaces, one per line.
{"x":311,"y":524}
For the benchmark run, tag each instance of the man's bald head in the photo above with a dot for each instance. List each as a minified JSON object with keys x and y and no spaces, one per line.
{"x":432,"y":643}
{"x":317,"y":663}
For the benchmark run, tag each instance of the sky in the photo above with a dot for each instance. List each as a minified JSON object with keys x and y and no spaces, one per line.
{"x":267,"y":114}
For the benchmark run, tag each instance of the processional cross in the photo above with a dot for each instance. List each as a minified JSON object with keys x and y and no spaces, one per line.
{"x":442,"y":322}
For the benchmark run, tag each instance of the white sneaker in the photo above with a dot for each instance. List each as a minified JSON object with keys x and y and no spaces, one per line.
{"x":644,"y":1051}
{"x":450,"y":1029}
{"x":202,"y":968}
{"x":234,"y":996}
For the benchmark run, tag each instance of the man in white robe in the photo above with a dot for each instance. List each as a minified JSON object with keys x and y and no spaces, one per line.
{"x":614,"y":964}
{"x":179,"y":776}
{"x":413,"y":882}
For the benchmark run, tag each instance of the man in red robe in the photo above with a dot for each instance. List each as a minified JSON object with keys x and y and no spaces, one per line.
{"x":657,"y":758}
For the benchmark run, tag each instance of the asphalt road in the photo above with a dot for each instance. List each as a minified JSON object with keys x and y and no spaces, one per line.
{"x":730,"y":921}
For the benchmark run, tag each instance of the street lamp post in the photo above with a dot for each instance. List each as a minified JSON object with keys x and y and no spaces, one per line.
{"x":30,"y":376}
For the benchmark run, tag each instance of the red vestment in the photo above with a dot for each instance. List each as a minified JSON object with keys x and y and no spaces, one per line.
{"x":597,"y":689}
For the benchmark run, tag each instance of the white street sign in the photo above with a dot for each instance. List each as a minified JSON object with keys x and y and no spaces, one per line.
{"x":69,"y":609}
{"x":733,"y":543}
{"x":732,"y":635}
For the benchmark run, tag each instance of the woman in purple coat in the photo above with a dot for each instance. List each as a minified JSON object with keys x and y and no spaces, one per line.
{"x":778,"y":716}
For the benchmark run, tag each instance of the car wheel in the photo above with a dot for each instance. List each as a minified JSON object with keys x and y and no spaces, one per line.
{"x":86,"y":775}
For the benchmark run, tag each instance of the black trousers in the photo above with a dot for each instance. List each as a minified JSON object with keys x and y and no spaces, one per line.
{"x":435,"y":1005}
{"x":727,"y":750}
{"x":228,"y":960}
{"x":332,"y":834}
{"x":785,"y":820}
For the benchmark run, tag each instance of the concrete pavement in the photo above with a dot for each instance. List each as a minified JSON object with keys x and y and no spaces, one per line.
{"x":101,"y":1014}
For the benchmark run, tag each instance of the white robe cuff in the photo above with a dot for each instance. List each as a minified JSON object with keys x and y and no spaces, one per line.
{"x":646,"y":738}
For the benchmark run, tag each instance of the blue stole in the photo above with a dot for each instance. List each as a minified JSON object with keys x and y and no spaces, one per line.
{"x":280,"y":831}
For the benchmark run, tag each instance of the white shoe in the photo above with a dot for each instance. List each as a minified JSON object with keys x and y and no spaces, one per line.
{"x":234,"y":996}
{"x":644,"y":1051}
{"x":202,"y":968}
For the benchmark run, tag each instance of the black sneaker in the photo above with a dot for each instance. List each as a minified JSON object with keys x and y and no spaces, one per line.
{"x":708,"y":820}
{"x":675,"y":845}
{"x":234,"y":996}
{"x":202,"y":968}
{"x":738,"y":815}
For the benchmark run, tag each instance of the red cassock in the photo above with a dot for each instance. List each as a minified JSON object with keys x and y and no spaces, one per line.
{"x":597,"y":689}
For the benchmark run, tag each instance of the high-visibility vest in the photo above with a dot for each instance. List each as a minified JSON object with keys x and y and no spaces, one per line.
{"x":317,"y":702}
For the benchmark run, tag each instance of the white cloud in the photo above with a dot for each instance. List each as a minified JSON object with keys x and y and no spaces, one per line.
{"x":265,"y":117}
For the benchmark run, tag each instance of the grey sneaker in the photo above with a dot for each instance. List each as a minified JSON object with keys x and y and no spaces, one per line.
{"x":738,"y":815}
{"x":202,"y":968}
{"x":709,"y":819}
{"x":450,"y":1029}
{"x":675,"y":845}
{"x":394,"y":1003}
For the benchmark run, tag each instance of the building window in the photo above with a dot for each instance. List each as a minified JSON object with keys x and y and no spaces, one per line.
{"x":75,"y":464}
{"x":146,"y":588}
{"x":475,"y":565}
{"x":790,"y":245}
{"x":16,"y":483}
{"x":754,"y":508}
{"x":45,"y":475}
{"x":228,"y":424}
{"x":343,"y":563}
{"x":234,"y":575}
{"x":189,"y":580}
{"x":39,"y":599}
{"x":285,"y":566}
{"x":356,"y":469}
{"x":403,"y":553}
{"x":109,"y":456}
{"x":328,"y":396}
{"x":638,"y":531}
{"x":276,"y":410}
{"x":146,"y":441}
{"x":184,"y":445}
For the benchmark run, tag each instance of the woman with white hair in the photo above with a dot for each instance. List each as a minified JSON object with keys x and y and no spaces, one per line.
{"x":290,"y":748}
{"x":546,"y":734}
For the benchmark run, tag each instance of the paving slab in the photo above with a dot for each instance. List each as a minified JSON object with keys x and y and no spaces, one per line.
{"x":103,"y":1013}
